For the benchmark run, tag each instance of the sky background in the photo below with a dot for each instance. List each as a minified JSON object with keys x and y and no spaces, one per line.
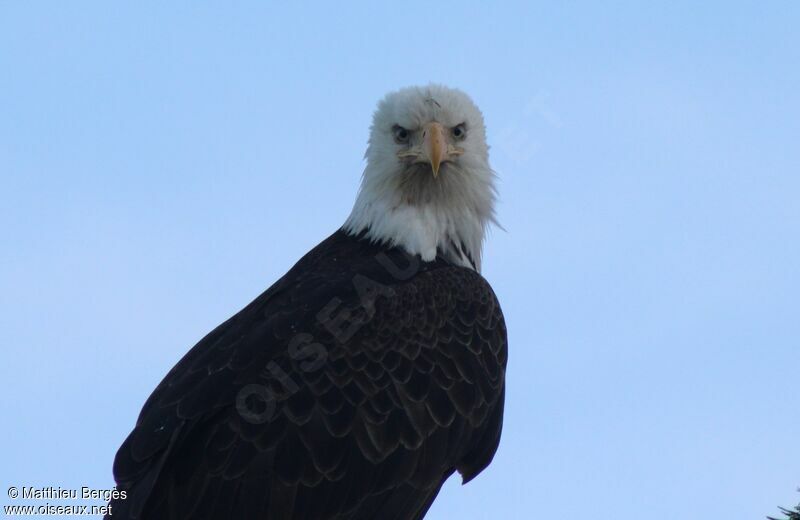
{"x":162,"y":165}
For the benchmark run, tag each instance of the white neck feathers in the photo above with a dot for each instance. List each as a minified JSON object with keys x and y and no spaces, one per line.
{"x":446,"y":216}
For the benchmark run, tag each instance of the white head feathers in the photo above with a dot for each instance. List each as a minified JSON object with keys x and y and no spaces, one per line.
{"x":427,"y":186}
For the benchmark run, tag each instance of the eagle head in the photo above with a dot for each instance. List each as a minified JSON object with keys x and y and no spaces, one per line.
{"x":427,"y":186}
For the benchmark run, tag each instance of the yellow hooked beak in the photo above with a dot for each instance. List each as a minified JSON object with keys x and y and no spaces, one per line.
{"x":434,"y":145}
{"x":434,"y":148}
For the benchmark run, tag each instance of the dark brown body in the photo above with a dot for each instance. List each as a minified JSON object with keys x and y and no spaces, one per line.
{"x":351,"y":389}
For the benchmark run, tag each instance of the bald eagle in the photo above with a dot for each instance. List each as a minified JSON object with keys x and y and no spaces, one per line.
{"x":361,"y":380}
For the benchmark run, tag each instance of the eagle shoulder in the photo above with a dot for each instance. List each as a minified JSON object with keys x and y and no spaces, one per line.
{"x":359,"y":381}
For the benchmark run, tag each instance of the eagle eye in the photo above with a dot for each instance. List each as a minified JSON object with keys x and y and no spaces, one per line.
{"x":401,"y":135}
{"x":460,"y":131}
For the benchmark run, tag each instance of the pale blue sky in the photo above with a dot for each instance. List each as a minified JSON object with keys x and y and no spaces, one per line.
{"x":162,"y":165}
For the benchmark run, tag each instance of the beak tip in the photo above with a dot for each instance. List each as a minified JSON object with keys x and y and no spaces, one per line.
{"x":435,"y":146}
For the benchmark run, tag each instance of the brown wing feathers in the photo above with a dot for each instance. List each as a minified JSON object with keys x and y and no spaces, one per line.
{"x":294,"y":410}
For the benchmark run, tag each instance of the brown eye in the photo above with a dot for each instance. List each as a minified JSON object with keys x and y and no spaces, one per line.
{"x":460,"y":131}
{"x":401,"y":135}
